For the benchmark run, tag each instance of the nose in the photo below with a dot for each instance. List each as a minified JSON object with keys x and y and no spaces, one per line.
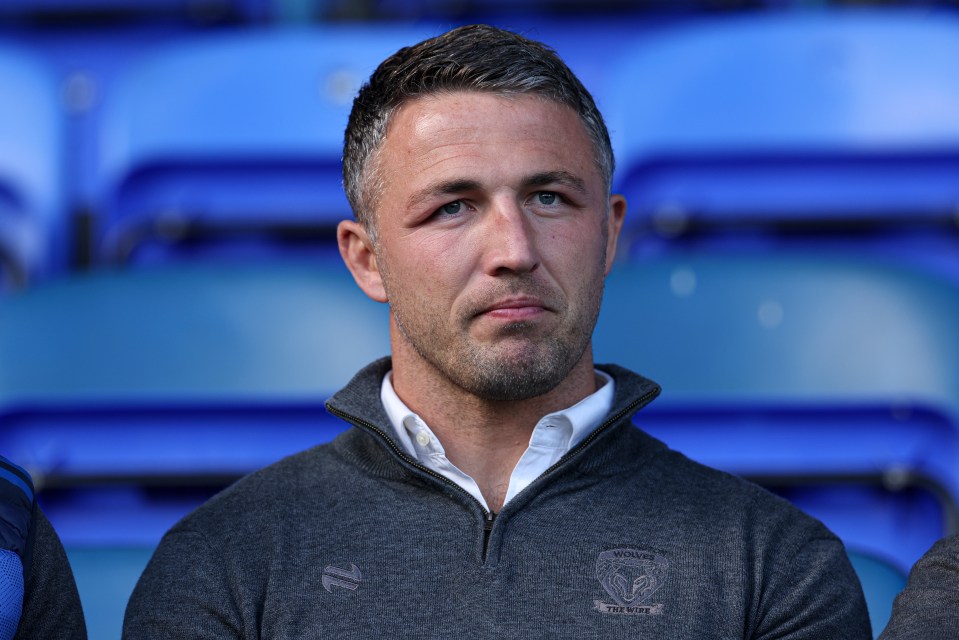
{"x":509,"y":238}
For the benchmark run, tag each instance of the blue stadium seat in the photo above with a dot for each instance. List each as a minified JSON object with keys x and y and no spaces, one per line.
{"x":231,"y":143}
{"x":775,"y":125}
{"x":93,"y":11}
{"x":32,"y":220}
{"x":495,"y":11}
{"x":881,"y":583}
{"x":106,"y":576}
{"x":115,"y":387}
{"x":831,"y":380}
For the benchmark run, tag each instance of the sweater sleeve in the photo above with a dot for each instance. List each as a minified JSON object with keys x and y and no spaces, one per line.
{"x":51,"y":604}
{"x":928,"y":608}
{"x":183,"y":594}
{"x":815,"y":596}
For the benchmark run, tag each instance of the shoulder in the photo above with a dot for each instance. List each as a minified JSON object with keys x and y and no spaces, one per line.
{"x":677,"y":480}
{"x":269,"y":494}
{"x":928,"y":608}
{"x":263,"y":505}
{"x":939,"y":566}
{"x":741,"y":519}
{"x":721,"y":534}
{"x":221,"y":557}
{"x":51,"y":604}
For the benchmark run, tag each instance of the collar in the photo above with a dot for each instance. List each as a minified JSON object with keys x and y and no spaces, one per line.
{"x":552,"y":437}
{"x":359,"y":401}
{"x":560,"y":430}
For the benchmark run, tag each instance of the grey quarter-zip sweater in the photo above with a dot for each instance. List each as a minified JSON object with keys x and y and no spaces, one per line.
{"x":623,"y":538}
{"x":928,"y":608}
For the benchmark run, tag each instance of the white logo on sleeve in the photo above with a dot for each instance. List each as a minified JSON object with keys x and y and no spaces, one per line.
{"x":344,"y":578}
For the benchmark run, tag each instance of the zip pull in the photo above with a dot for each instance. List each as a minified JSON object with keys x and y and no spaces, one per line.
{"x":487,"y":529}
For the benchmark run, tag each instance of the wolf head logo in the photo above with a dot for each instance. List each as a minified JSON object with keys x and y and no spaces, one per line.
{"x":630,"y":576}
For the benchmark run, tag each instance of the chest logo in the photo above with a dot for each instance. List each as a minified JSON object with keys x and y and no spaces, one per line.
{"x":630,"y":577}
{"x":344,"y":578}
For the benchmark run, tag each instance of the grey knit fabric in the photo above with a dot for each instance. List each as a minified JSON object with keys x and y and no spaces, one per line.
{"x":928,"y":608}
{"x":621,"y":539}
{"x":51,"y":604}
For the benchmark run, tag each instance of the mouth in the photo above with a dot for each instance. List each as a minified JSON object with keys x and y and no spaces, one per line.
{"x":515,"y":309}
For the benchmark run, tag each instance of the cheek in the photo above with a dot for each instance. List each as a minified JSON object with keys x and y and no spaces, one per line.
{"x":430,"y":265}
{"x":581,"y":244}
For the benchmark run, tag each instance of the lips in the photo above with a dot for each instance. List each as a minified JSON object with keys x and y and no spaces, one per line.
{"x":515,"y":308}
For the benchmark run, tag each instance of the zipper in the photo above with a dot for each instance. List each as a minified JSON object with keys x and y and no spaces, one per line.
{"x":487,"y":530}
{"x":488,"y":516}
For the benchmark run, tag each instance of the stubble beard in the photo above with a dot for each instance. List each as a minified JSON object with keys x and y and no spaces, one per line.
{"x":518,"y":366}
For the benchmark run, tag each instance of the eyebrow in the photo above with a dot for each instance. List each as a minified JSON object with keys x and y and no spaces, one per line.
{"x":556,"y":177}
{"x":454,"y":187}
{"x":450,"y":187}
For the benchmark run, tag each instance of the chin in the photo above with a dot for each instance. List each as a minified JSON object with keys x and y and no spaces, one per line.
{"x":517,"y":374}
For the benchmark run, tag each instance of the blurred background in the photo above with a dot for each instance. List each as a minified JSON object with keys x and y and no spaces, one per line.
{"x":173,"y":310}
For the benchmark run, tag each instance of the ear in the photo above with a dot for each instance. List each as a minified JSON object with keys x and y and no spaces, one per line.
{"x":614,"y":224}
{"x":357,"y":252}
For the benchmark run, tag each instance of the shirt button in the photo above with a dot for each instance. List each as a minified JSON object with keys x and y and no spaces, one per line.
{"x":423,"y":438}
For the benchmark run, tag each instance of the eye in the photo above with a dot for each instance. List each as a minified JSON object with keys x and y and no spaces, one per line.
{"x":547,"y":198}
{"x":451,"y":208}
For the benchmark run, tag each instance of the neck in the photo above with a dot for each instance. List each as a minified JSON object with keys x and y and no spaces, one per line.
{"x":483,"y":438}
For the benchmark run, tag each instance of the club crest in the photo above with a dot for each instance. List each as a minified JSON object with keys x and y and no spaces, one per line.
{"x":630,"y":577}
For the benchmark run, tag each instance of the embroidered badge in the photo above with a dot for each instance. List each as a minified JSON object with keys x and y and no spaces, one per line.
{"x":630,"y":577}
{"x":336,"y":577}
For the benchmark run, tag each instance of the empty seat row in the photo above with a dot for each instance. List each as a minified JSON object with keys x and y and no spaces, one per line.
{"x":837,"y":130}
{"x":58,"y":13}
{"x":750,"y":131}
{"x":207,"y":12}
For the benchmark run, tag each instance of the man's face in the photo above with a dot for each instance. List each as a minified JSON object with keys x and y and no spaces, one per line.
{"x":493,"y":240}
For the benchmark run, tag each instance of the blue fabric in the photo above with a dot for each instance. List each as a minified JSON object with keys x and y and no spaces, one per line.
{"x":11,"y":593}
{"x":16,"y":476}
{"x":16,"y":514}
{"x":16,"y":507}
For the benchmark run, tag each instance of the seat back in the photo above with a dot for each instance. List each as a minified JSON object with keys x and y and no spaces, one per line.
{"x":106,"y":576}
{"x":881,"y":583}
{"x":122,"y":385}
{"x":106,"y":11}
{"x":808,"y":127}
{"x":32,"y":220}
{"x":231,"y":143}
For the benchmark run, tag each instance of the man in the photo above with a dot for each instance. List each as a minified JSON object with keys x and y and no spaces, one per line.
{"x":493,"y":485}
{"x":38,"y":597}
{"x":928,"y":608}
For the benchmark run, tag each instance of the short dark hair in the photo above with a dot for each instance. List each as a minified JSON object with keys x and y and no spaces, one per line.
{"x":472,"y":58}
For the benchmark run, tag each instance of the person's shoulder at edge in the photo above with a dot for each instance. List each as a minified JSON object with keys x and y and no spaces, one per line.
{"x":928,"y":608}
{"x":51,"y":605}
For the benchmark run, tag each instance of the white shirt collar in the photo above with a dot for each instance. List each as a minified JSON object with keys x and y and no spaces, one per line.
{"x":554,"y":435}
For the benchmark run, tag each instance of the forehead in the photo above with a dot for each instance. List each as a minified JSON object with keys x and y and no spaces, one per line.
{"x":474,"y":131}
